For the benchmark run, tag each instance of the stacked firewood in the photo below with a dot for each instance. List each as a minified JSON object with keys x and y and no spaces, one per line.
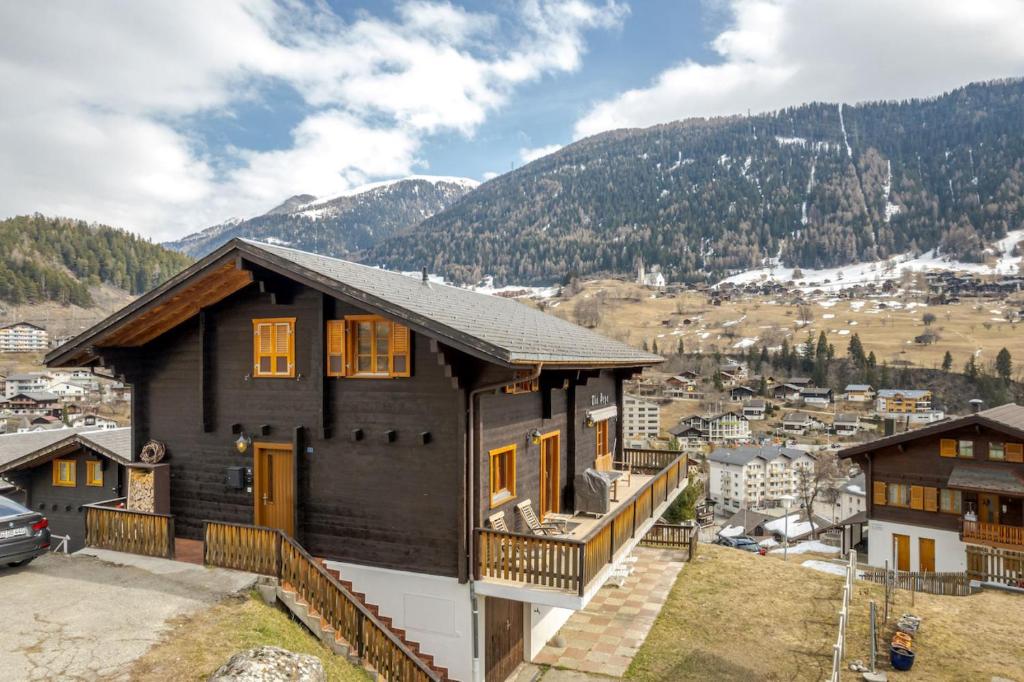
{"x":141,"y":496}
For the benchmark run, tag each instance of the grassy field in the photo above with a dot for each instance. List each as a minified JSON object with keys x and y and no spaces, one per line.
{"x":202,"y":643}
{"x":631,"y":314}
{"x":736,"y":616}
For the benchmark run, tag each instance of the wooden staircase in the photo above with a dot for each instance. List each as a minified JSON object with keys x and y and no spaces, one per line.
{"x":333,"y":640}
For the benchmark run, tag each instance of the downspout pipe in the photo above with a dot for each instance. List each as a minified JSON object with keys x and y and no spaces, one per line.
{"x":471,"y":459}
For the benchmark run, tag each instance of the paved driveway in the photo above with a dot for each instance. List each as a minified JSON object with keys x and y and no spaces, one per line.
{"x":83,"y":618}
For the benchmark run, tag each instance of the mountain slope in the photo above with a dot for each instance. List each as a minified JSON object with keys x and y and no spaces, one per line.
{"x":819,"y":185}
{"x":340,"y":225}
{"x":56,"y":259}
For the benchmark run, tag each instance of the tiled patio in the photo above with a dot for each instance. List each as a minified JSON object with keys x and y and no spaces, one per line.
{"x":605,"y":636}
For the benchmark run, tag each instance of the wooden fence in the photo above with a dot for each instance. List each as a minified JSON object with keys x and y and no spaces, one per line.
{"x":110,"y":527}
{"x":996,"y":565}
{"x":839,"y":648}
{"x":571,"y":564}
{"x":950,"y":584}
{"x":256,"y":549}
{"x":993,"y":532}
{"x":675,"y":536}
{"x":648,"y":461}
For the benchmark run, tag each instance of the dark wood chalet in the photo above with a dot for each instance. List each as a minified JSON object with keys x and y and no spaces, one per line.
{"x":950,"y":496}
{"x":58,"y":472}
{"x":391,"y":426}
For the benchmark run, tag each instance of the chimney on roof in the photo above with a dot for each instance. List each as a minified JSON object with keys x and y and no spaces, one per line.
{"x":976,"y":404}
{"x":424,"y":274}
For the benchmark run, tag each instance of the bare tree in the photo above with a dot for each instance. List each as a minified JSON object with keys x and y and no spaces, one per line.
{"x":812,"y":482}
{"x":587,"y":312}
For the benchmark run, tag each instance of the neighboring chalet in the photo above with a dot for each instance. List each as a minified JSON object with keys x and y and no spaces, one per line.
{"x":56,"y":472}
{"x":738,"y":393}
{"x":93,"y":421}
{"x":683,"y":386}
{"x":714,"y":428}
{"x":391,"y":426}
{"x":858,"y":393}
{"x":947,"y":492}
{"x":39,"y":403}
{"x":912,"y":405}
{"x":754,"y":410}
{"x":799,"y":423}
{"x":846,"y":424}
{"x":816,"y":396}
{"x":786,"y":392}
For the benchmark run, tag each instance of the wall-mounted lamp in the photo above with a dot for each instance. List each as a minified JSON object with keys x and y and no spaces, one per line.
{"x":590,"y":420}
{"x":243,"y":442}
{"x":535,"y":436}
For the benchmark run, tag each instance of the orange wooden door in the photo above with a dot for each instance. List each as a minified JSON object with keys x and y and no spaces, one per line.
{"x":550,"y":488}
{"x":901,"y":548}
{"x":926,"y":554}
{"x":988,"y":508}
{"x":274,"y":486}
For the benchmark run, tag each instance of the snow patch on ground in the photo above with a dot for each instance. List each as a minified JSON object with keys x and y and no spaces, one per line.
{"x":824,"y":567}
{"x":809,"y":546}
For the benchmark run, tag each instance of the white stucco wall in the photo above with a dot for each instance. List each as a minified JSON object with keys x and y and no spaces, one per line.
{"x":433,"y":610}
{"x":950,"y":552}
{"x":542,"y":622}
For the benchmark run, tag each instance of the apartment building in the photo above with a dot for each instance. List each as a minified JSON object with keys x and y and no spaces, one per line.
{"x":716,"y":428}
{"x":755,"y":476}
{"x":23,"y":337}
{"x":640,"y":418}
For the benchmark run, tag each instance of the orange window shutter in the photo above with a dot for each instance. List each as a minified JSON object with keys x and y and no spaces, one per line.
{"x":262,"y":345}
{"x":335,"y":348}
{"x":400,"y":364}
{"x":916,"y":497}
{"x":878,"y":492}
{"x":1014,"y":452}
{"x":947,"y":447}
{"x":931,"y":499}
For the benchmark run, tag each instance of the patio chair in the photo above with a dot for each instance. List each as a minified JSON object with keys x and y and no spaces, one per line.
{"x":525,"y":509}
{"x":497,"y":522}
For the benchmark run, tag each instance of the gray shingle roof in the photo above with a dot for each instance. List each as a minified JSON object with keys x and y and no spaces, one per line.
{"x":514,"y":332}
{"x":906,"y":393}
{"x":19,"y":448}
{"x":988,"y":479}
{"x":744,"y":455}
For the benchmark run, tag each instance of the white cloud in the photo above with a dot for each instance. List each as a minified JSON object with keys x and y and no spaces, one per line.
{"x":101,"y":104}
{"x":777,"y":53}
{"x":526,"y":155}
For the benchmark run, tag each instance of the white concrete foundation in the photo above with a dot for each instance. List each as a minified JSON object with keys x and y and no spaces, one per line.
{"x":950,"y":551}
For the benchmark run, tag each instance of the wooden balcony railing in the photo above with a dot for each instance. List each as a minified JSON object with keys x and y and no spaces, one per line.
{"x":997,"y":533}
{"x":272,"y":552}
{"x":646,"y":461}
{"x":108,"y":526}
{"x":570,"y":564}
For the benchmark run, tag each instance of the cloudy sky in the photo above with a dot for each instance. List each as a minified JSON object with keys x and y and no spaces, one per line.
{"x":167,"y":117}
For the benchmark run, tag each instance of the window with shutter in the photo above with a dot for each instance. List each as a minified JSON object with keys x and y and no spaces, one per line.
{"x":947,"y":447}
{"x":916,"y":497}
{"x":503,"y":474}
{"x":372,"y":348}
{"x":273,"y":348}
{"x":336,"y":348}
{"x":931,"y":499}
{"x":878,"y":492}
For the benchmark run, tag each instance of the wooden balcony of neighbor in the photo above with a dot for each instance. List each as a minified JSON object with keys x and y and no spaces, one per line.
{"x":993,"y":534}
{"x":564,"y":570}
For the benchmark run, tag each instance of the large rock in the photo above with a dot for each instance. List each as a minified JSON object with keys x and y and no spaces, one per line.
{"x":270,"y":664}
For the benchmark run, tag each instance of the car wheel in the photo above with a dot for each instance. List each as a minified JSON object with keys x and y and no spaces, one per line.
{"x":15,"y":564}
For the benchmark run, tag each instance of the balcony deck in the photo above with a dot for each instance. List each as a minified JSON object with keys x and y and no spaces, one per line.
{"x":993,"y":534}
{"x":566,"y":570}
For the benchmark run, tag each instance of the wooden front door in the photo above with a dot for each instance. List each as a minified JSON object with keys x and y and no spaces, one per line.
{"x":988,"y":508}
{"x":549,"y":479}
{"x":926,"y":554}
{"x":901,"y":551}
{"x":274,"y":486}
{"x":504,"y":632}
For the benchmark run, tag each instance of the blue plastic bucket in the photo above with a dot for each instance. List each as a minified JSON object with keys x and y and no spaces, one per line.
{"x":901,"y":659}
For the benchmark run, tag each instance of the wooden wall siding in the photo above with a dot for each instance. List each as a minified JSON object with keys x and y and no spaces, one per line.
{"x":393,"y":505}
{"x":586,"y":446}
{"x":920,"y":464}
{"x":63,"y":506}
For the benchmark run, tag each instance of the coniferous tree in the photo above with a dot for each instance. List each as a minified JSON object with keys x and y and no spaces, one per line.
{"x":947,"y":362}
{"x":1004,"y":365}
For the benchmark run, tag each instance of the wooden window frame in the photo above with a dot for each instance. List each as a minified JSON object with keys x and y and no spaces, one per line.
{"x":72,"y":468}
{"x":503,"y":458}
{"x":899,"y":503}
{"x":1002,"y":451}
{"x":601,"y":437}
{"x":931,"y":499}
{"x":94,"y":473}
{"x":398,"y":335}
{"x":289,"y":354}
{"x":954,"y":494}
{"x":960,"y":449}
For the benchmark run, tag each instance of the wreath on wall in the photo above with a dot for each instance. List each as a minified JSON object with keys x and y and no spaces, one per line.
{"x":153,"y":452}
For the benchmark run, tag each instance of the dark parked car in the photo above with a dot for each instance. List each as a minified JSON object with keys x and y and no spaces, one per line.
{"x":24,"y":534}
{"x":744,"y":542}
